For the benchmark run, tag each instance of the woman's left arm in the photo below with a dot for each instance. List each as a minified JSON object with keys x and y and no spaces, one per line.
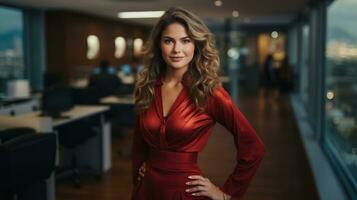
{"x":250,"y":148}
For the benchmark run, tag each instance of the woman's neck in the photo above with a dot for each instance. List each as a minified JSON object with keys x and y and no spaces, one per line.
{"x":174,"y":76}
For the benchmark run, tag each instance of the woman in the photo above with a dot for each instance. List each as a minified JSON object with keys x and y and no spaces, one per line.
{"x":178,"y":101}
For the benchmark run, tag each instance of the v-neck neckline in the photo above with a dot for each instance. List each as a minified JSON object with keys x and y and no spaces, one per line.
{"x":173,"y":104}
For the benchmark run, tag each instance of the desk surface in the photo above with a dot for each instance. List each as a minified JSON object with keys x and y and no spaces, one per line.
{"x":117,"y":100}
{"x":79,"y":112}
{"x":40,"y":123}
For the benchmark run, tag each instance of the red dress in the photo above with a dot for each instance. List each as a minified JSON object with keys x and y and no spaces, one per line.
{"x":169,"y":146}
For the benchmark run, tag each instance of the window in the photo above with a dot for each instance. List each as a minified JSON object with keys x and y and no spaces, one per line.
{"x":341,"y":89}
{"x":304,"y":76}
{"x":11,"y":47}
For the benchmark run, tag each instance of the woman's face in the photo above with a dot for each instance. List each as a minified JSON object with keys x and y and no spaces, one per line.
{"x":177,"y":48}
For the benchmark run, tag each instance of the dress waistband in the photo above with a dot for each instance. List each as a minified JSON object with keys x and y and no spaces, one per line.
{"x":170,"y":159}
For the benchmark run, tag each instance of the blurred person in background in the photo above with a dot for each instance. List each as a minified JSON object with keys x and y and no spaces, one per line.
{"x":285,"y":76}
{"x":269,"y":75}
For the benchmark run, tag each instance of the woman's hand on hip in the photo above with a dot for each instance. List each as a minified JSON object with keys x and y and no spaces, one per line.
{"x":202,"y":186}
{"x":142,"y":171}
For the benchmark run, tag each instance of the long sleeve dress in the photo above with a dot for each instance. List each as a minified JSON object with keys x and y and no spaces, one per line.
{"x":170,"y":145}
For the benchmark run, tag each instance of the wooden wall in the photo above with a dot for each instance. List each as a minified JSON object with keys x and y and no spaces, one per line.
{"x":66,"y":34}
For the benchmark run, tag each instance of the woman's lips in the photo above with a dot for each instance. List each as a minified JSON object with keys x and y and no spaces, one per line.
{"x":176,"y":59}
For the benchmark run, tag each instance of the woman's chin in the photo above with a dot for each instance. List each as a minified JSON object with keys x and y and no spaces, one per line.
{"x":177,"y":66}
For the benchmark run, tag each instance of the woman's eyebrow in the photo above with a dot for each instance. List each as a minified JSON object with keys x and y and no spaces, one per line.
{"x":168,"y":37}
{"x":186,"y":37}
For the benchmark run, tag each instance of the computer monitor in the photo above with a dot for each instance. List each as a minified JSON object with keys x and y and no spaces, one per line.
{"x":110,"y":70}
{"x":126,"y":69}
{"x":56,"y":100}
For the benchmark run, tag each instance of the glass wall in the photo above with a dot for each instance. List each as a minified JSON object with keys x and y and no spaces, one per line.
{"x":304,"y":73}
{"x":11,"y":46}
{"x":341,"y":89}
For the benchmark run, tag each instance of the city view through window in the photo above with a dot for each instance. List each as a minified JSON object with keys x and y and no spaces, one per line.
{"x":11,"y":47}
{"x":341,"y":86}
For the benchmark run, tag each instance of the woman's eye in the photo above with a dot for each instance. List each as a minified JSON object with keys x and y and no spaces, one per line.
{"x":167,"y":41}
{"x":186,"y":41}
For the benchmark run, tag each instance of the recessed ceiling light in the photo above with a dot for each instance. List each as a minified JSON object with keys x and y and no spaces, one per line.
{"x":274,"y":34}
{"x":235,"y":13}
{"x":330,"y":95}
{"x":218,"y":3}
{"x":141,"y":14}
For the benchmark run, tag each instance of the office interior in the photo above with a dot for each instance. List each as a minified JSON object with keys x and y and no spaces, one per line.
{"x":288,"y":65}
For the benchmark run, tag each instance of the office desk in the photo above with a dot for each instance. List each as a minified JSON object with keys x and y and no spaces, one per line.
{"x":47,"y":124}
{"x":113,"y":100}
{"x":19,"y":106}
{"x":99,"y":147}
{"x":103,"y":141}
{"x":122,"y":109}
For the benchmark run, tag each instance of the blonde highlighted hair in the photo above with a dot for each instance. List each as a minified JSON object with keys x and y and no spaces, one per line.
{"x":202,"y":73}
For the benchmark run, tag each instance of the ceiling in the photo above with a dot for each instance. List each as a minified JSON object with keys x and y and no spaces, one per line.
{"x":250,"y":11}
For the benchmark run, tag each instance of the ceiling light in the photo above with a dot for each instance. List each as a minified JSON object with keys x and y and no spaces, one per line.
{"x":141,"y":14}
{"x":218,"y":3}
{"x":330,"y":95}
{"x":274,"y":34}
{"x":235,"y":13}
{"x":233,"y":53}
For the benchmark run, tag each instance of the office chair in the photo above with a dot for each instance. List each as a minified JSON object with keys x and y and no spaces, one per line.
{"x":11,"y":133}
{"x":107,"y":84}
{"x":85,"y":96}
{"x":27,"y":160}
{"x":90,"y":96}
{"x":72,"y":136}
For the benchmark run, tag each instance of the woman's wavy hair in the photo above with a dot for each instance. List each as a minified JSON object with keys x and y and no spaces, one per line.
{"x":202,"y":75}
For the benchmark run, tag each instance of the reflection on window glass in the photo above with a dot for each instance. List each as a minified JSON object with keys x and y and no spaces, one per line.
{"x":341,"y":86}
{"x":11,"y":47}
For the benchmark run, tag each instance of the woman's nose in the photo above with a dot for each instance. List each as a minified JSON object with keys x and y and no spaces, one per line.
{"x":177,"y":48}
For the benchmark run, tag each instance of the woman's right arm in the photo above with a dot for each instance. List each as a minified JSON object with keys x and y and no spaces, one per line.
{"x":139,"y":151}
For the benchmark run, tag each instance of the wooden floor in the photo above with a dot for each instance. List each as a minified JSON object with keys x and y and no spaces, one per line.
{"x":283,"y":175}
